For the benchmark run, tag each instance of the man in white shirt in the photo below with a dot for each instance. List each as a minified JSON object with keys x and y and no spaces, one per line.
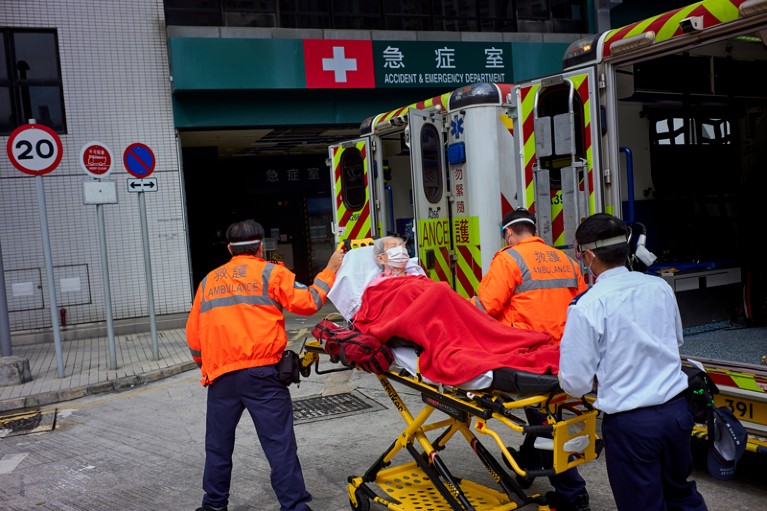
{"x":625,"y":333}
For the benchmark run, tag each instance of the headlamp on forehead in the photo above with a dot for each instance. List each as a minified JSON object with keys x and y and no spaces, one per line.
{"x":615,"y":240}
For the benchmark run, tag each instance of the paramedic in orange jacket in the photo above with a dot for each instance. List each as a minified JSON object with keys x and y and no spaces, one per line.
{"x":530,"y":285}
{"x":236,"y":333}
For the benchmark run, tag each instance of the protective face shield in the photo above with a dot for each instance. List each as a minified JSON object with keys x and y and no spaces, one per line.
{"x":504,"y":233}
{"x":579,"y":256}
{"x":583,"y":248}
{"x":397,"y":257}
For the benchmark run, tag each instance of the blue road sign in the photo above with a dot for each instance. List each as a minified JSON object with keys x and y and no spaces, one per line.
{"x":139,"y":160}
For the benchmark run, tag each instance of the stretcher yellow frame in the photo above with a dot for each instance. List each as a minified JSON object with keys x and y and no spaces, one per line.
{"x":427,"y":483}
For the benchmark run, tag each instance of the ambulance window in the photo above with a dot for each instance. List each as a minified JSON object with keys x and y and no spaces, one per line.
{"x":688,"y":130}
{"x":353,"y":179}
{"x":431,"y":163}
{"x":715,"y":132}
{"x":672,"y":131}
{"x":688,"y":152}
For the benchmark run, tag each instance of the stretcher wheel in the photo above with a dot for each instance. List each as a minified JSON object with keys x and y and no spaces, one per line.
{"x":363,"y":501}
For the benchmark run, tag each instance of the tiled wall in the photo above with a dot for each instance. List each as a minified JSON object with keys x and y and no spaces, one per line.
{"x":116,"y":85}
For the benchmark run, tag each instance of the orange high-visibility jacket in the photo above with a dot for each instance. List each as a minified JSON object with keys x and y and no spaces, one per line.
{"x":236,"y":319}
{"x":530,"y":286}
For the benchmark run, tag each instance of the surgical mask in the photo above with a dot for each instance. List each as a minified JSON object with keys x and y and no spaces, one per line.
{"x":397,"y":257}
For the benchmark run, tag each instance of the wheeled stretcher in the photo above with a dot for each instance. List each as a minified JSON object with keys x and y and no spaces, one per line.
{"x":426,"y":483}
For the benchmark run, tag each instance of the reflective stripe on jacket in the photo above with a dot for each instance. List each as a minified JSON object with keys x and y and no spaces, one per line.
{"x":530,"y":286}
{"x":236,"y":319}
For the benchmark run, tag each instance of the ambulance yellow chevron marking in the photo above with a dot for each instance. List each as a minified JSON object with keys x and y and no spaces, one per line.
{"x":528,"y":145}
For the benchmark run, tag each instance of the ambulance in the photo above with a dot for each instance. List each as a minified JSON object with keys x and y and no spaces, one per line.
{"x":662,"y":123}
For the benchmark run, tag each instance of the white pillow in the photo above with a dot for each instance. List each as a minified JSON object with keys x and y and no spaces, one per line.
{"x":358,"y":268}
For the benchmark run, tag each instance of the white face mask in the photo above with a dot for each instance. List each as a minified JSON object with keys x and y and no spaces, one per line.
{"x":397,"y":257}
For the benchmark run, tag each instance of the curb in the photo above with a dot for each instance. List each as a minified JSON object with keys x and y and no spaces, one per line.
{"x":120,"y":384}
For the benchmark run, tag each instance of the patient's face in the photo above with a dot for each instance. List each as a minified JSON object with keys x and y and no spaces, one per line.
{"x":387,"y":244}
{"x":391,"y":243}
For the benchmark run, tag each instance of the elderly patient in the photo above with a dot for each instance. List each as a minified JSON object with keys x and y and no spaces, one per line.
{"x":386,"y":295}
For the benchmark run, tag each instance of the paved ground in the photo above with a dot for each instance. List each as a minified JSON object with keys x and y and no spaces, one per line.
{"x":141,"y":448}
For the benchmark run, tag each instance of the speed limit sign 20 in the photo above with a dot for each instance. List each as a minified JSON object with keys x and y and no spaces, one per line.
{"x":34,"y":149}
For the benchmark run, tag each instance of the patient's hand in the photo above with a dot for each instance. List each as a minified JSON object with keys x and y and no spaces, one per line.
{"x":334,"y":263}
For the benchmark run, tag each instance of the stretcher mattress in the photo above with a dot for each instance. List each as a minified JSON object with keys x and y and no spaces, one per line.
{"x":502,"y":379}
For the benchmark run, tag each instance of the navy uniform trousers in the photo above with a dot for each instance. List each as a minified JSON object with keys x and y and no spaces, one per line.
{"x":649,"y":458}
{"x":268,"y":401}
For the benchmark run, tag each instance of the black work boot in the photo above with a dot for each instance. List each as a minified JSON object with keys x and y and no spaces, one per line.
{"x":208,"y":508}
{"x":558,"y":502}
{"x":527,"y":459}
{"x":581,"y":502}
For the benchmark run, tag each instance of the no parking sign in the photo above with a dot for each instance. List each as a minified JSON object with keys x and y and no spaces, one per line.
{"x":139,"y":160}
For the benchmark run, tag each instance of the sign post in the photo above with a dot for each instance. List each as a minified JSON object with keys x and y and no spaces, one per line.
{"x":5,"y":322}
{"x":36,"y":150}
{"x":96,"y":160}
{"x":140,"y":161}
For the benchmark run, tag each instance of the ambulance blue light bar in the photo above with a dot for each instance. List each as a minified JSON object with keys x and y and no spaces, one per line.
{"x":475,"y":94}
{"x":580,"y":51}
{"x":366,"y":125}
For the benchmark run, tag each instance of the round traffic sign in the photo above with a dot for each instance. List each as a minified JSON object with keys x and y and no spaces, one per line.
{"x":96,"y":159}
{"x":139,"y":160}
{"x":34,"y":149}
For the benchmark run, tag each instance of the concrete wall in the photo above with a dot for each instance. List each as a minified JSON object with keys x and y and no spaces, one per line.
{"x":116,"y":86}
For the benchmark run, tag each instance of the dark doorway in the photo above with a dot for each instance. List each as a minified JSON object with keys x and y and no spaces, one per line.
{"x":288,"y":195}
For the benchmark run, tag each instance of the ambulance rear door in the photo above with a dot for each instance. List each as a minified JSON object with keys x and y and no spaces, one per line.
{"x":351,"y":182}
{"x":426,"y":134}
{"x":558,"y":144}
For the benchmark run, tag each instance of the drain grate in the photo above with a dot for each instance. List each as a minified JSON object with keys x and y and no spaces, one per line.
{"x":23,"y":423}
{"x":317,"y":408}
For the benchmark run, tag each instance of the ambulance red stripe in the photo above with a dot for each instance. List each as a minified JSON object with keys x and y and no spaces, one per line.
{"x":357,"y":231}
{"x":465,"y":254}
{"x":438,"y":268}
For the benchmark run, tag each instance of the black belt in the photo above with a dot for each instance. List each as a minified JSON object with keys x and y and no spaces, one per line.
{"x":681,"y":395}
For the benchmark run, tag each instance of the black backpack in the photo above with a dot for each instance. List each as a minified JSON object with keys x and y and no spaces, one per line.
{"x":700,"y":393}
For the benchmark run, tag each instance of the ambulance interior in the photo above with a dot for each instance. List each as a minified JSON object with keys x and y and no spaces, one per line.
{"x":398,"y":211}
{"x":696,"y":126}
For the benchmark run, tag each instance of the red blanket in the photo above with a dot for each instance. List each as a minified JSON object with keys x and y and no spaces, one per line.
{"x":459,"y":341}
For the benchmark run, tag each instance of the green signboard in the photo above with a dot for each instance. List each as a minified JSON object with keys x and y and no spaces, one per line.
{"x":437,"y":64}
{"x":251,"y":64}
